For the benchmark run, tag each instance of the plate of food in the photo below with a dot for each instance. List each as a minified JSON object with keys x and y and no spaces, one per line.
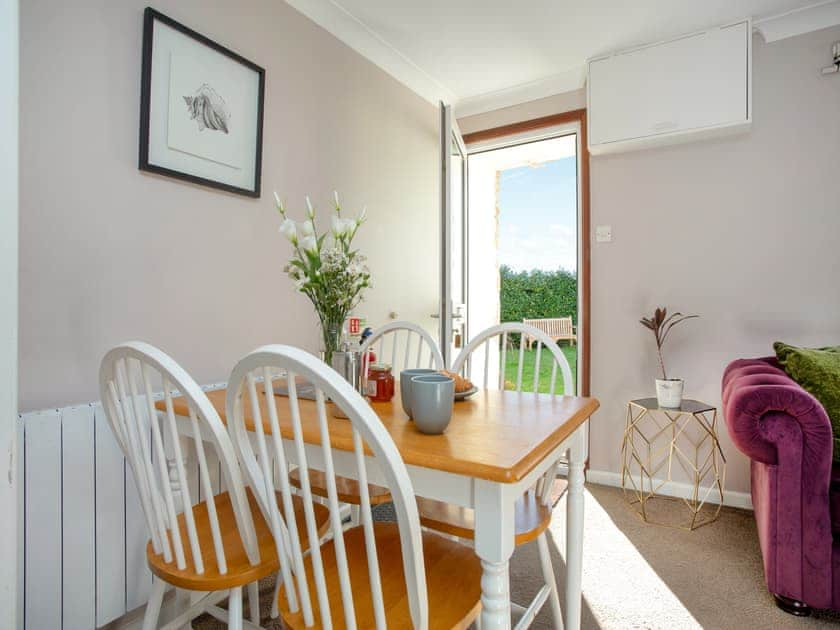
{"x":466,"y":393}
{"x":464,"y":387}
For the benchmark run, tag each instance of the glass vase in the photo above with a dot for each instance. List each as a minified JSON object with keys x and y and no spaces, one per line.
{"x":331,"y":338}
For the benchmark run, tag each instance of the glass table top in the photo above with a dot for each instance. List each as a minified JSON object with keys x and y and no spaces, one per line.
{"x":688,"y":406}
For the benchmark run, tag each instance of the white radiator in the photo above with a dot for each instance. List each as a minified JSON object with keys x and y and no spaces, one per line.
{"x":83,"y":558}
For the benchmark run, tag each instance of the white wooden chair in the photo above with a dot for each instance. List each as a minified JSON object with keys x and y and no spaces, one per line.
{"x":367,"y":576}
{"x":405,"y":345}
{"x":216,"y":546}
{"x":533,"y":510}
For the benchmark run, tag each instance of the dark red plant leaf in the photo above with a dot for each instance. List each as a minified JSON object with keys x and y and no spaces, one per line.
{"x":675,"y":322}
{"x":659,"y":315}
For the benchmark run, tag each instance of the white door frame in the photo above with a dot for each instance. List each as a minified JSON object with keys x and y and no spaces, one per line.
{"x":9,"y":73}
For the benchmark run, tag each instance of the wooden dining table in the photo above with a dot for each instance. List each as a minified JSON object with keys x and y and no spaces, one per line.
{"x":498,"y":444}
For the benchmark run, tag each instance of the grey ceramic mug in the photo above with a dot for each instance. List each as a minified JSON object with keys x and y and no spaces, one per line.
{"x":432,"y":397}
{"x":405,"y":386}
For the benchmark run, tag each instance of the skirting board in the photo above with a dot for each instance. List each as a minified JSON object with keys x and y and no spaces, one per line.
{"x":741,"y":500}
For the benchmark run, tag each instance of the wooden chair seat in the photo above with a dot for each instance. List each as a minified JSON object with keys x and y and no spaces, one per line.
{"x":453,"y":574}
{"x":239,"y":569}
{"x":348,"y":489}
{"x":531,"y":518}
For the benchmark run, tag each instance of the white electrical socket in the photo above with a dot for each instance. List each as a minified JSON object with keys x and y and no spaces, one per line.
{"x":603,"y":234}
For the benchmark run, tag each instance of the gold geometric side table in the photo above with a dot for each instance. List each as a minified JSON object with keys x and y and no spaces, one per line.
{"x":663,"y":444}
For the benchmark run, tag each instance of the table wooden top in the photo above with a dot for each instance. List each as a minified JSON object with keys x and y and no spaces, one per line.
{"x":495,"y":435}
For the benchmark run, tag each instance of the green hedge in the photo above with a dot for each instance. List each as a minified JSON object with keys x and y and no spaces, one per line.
{"x":536,"y":294}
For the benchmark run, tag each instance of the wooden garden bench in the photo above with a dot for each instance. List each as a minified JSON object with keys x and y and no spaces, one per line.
{"x":558,"y":328}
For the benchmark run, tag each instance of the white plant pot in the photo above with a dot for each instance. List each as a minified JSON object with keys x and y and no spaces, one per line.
{"x":669,"y":392}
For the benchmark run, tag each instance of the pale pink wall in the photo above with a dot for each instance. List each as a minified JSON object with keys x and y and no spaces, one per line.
{"x":742,"y":230}
{"x":108,"y":253}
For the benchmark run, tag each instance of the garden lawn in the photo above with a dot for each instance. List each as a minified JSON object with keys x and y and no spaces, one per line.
{"x":546,"y":361}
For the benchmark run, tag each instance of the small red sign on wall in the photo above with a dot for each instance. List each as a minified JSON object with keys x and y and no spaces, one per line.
{"x":354,"y":325}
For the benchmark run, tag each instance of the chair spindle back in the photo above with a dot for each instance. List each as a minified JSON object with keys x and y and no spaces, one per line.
{"x":405,"y":345}
{"x":290,"y":432}
{"x":490,"y":347}
{"x":128,"y":377}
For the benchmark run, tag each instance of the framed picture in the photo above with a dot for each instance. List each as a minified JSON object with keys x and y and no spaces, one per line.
{"x":201,"y":109}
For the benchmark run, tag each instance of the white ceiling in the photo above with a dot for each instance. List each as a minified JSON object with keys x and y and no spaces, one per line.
{"x":482,"y":54}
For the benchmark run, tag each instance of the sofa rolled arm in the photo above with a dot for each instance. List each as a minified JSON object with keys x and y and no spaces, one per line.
{"x":757,"y":389}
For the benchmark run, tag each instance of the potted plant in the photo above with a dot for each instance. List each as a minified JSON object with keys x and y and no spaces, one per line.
{"x":669,"y":391}
{"x":326,"y":268}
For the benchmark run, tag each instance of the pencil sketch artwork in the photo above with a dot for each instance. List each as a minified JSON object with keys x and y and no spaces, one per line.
{"x":208,"y":109}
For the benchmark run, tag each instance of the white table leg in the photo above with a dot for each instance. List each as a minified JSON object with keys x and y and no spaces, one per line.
{"x":494,"y":538}
{"x":495,"y":595}
{"x":574,"y":531}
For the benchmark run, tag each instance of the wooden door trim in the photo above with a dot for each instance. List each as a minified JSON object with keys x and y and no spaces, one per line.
{"x":574,"y":116}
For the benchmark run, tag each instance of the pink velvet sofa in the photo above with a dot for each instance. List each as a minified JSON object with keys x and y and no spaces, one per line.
{"x":795,"y":485}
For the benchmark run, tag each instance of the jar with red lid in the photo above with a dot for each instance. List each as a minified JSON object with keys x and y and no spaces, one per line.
{"x":380,"y":383}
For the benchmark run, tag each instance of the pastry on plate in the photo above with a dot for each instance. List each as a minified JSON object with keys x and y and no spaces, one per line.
{"x":461,"y":384}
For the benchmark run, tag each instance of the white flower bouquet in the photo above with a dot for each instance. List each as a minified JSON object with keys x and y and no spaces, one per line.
{"x":326,"y":268}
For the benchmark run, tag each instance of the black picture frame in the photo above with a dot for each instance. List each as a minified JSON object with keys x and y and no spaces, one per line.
{"x":150,"y":16}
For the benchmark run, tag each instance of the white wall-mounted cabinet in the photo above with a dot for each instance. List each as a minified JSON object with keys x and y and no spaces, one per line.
{"x":694,"y":86}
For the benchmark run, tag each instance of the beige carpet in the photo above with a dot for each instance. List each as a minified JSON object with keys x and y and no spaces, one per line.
{"x":645,"y":576}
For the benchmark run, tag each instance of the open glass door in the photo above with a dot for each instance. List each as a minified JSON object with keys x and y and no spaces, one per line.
{"x":453,"y":284}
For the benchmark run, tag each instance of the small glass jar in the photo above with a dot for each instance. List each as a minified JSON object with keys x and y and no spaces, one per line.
{"x":380,"y":383}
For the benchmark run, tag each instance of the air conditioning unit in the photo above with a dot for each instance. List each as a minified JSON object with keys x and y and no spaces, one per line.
{"x":690,"y":87}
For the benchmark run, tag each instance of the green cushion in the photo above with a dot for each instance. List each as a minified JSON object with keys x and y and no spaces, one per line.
{"x":817,"y":370}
